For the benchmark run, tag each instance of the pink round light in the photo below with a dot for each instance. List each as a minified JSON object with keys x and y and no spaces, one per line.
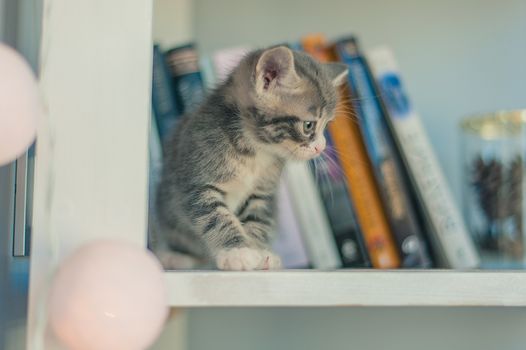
{"x":108,"y":295}
{"x":20,"y":105}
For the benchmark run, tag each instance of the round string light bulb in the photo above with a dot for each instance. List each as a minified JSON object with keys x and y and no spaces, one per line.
{"x":20,"y":105}
{"x":108,"y":295}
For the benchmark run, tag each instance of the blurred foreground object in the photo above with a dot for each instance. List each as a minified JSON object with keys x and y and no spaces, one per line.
{"x":108,"y":295}
{"x":20,"y":105}
{"x":494,"y":147}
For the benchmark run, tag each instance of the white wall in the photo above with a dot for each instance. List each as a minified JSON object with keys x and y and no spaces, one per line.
{"x":358,"y":329}
{"x":458,"y":57}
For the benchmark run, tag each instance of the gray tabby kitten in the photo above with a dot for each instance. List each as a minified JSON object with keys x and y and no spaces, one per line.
{"x":216,"y":198}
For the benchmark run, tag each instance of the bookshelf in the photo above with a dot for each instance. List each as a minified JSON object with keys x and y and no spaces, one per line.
{"x":91,"y":180}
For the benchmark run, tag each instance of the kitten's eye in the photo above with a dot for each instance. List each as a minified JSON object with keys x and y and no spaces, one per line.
{"x":308,"y":127}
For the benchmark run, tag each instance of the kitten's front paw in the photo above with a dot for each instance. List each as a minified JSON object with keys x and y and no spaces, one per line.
{"x":243,"y":259}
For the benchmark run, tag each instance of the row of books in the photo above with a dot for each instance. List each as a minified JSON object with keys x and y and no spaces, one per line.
{"x":378,"y":200}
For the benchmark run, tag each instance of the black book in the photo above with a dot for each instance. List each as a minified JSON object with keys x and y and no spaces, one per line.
{"x":340,"y":212}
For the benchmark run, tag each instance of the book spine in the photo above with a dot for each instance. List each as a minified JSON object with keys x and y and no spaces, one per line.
{"x":332,"y":184}
{"x":164,"y":103}
{"x":387,"y":166}
{"x":289,"y":243}
{"x":362,"y":189}
{"x":184,"y":65}
{"x":311,"y":216}
{"x":450,"y":236}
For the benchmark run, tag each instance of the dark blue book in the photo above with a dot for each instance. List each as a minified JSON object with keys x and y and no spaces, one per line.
{"x":387,"y":165}
{"x":332,"y":186}
{"x":165,"y":107}
{"x":188,"y":84}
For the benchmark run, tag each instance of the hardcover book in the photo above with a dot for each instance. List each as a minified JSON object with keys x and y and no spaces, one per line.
{"x":311,"y":215}
{"x":340,"y":212}
{"x":348,"y":143}
{"x":449,"y":233}
{"x":387,"y":166}
{"x":184,"y":66}
{"x":333,"y":187}
{"x":289,"y":243}
{"x":165,"y":107}
{"x":362,"y":189}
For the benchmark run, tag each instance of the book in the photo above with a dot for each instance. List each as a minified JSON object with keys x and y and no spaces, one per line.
{"x":448,"y":231}
{"x":348,"y":143}
{"x":166,"y":110}
{"x":316,"y":45}
{"x":387,"y":166}
{"x":314,"y":224}
{"x":183,"y":62}
{"x":340,"y":212}
{"x":289,"y":243}
{"x":333,"y":187}
{"x":362,"y":189}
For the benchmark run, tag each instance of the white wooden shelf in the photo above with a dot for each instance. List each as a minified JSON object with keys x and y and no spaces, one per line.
{"x":310,"y":288}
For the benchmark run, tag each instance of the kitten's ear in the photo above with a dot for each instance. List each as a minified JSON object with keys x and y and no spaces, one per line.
{"x":276,"y":67}
{"x":337,"y":72}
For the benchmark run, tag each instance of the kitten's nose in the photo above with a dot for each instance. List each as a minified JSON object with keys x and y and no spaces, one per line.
{"x":318,"y":148}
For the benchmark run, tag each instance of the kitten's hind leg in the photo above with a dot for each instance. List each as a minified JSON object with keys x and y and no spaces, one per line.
{"x":245,"y":258}
{"x":171,"y":260}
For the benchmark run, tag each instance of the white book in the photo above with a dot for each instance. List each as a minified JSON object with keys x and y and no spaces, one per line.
{"x":225,"y":60}
{"x":449,"y":234}
{"x":289,"y":243}
{"x":311,"y":215}
{"x":207,"y":71}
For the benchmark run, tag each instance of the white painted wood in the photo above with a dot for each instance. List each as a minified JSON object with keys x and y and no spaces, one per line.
{"x":347,"y":288}
{"x":92,"y":160}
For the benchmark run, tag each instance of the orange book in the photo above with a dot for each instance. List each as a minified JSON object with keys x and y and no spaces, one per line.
{"x":352,"y":154}
{"x":316,"y":46}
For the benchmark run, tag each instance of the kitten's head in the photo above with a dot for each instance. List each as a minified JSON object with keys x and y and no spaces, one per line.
{"x":293,"y":98}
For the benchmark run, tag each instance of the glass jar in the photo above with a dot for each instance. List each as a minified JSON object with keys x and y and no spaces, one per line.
{"x":494,"y":146}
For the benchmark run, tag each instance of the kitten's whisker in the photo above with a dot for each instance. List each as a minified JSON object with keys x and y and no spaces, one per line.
{"x":352,"y":98}
{"x":343,"y":158}
{"x":348,"y":114}
{"x":327,"y":176}
{"x":334,"y":163}
{"x":354,"y":120}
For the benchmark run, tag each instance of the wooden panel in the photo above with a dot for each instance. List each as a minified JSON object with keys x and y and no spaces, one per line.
{"x":92,"y":150}
{"x":347,"y":288}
